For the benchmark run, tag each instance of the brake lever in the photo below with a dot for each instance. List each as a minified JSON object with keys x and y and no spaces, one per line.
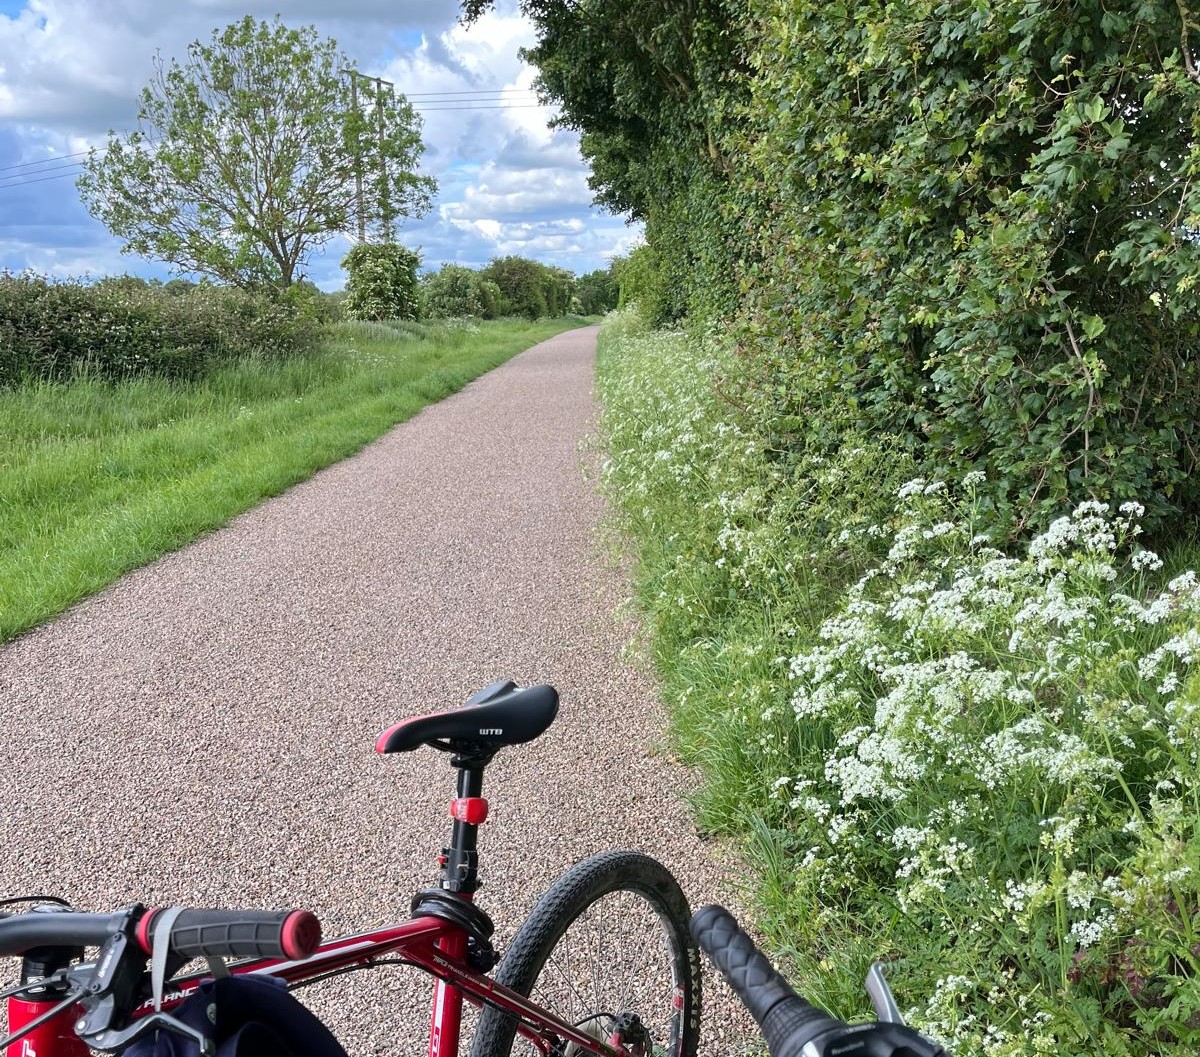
{"x":112,"y":1039}
{"x":881,"y":996}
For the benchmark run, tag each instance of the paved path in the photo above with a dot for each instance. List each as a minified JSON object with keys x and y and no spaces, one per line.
{"x":202,"y":731}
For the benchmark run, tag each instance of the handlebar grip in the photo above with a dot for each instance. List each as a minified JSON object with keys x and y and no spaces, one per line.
{"x":788,"y":1022}
{"x":292,"y":934}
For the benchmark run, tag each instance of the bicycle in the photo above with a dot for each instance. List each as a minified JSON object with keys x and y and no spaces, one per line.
{"x":65,"y":1004}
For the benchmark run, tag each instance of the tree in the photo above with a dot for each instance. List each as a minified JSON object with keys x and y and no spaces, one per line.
{"x":529,"y":288}
{"x":248,"y":156}
{"x":458,"y":291}
{"x":598,"y":291}
{"x":653,"y":88}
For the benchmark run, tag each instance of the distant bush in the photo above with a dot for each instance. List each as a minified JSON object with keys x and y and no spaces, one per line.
{"x":530,"y":289}
{"x":382,"y":282}
{"x":126,"y":326}
{"x":455,"y":291}
{"x":641,"y":281}
{"x":597,"y":292}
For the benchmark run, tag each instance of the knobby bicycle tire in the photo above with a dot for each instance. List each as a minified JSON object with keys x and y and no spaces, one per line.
{"x":599,"y":897}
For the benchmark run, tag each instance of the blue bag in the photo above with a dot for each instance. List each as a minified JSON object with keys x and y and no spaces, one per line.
{"x":245,"y":1016}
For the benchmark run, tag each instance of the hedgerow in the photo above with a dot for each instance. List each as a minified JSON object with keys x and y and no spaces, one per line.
{"x":979,"y":763}
{"x":978,"y":235}
{"x":124,"y":327}
{"x":969,"y":226}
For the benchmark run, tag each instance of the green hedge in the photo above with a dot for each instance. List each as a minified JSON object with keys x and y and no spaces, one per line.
{"x":979,"y":766}
{"x":123,"y":327}
{"x":969,"y":226}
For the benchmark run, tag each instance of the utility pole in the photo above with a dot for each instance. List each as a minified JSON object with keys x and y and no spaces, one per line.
{"x":385,"y":202}
{"x":358,"y":173}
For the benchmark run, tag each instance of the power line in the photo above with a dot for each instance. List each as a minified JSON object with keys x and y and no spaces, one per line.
{"x":46,"y":161}
{"x":45,"y":169}
{"x":515,"y":106}
{"x":474,"y":91}
{"x":40,"y":180}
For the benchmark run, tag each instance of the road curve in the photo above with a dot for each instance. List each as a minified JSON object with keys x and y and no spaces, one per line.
{"x":202,"y":731}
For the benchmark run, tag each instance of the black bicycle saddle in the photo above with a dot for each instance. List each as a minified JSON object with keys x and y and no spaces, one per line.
{"x":498,"y":715}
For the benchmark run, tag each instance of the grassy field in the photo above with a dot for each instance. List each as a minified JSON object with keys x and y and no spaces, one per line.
{"x":97,"y":479}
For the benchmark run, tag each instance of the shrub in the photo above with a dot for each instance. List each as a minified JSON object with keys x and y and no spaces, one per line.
{"x":641,"y":281}
{"x":528,"y":288}
{"x":597,"y":292}
{"x":119,"y":328}
{"x":382,"y":282}
{"x":956,"y":239}
{"x":455,"y":291}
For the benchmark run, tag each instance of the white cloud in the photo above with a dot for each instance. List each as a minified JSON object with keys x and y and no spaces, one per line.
{"x":71,"y":69}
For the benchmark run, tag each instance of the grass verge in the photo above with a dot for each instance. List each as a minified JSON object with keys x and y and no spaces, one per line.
{"x":977,"y":764}
{"x":98,"y":478}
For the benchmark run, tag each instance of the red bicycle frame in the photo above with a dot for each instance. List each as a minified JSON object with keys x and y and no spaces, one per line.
{"x":437,"y":946}
{"x":436,"y":940}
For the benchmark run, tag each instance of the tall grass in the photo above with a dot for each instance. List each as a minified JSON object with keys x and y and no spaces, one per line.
{"x":98,"y":478}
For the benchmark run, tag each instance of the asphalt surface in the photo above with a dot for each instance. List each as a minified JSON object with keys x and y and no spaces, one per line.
{"x":202,"y":732}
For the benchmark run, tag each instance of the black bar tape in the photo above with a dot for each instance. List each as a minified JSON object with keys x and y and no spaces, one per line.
{"x":788,"y":1022}
{"x":293,"y":934}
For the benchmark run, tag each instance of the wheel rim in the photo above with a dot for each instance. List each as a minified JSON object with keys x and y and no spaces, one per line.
{"x":620,"y":956}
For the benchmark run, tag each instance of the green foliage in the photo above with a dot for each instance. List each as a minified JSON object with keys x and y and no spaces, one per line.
{"x":642,"y":281}
{"x":382,"y":282}
{"x":246,"y":158}
{"x":454,"y":291}
{"x":529,"y":288}
{"x":970,"y":227}
{"x":977,"y":233}
{"x":125,"y":326}
{"x":981,"y":764}
{"x":597,"y":292}
{"x":652,"y":87}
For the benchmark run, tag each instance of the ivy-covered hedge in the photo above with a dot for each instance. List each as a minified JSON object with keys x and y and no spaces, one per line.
{"x":969,"y":226}
{"x":122,"y":327}
{"x":981,"y":238}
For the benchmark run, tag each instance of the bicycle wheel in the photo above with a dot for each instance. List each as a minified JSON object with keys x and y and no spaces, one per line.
{"x":608,"y":943}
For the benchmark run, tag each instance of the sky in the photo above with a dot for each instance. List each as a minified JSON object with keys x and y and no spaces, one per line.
{"x":71,"y":71}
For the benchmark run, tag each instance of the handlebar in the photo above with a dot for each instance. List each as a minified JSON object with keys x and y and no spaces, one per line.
{"x":56,"y":927}
{"x":138,"y":949}
{"x":291,"y":934}
{"x":792,"y":1026}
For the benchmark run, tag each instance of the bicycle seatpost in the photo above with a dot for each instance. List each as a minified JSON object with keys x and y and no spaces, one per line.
{"x":792,"y":1026}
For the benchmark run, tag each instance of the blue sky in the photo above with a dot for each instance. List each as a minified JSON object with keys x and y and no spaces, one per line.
{"x":70,"y":70}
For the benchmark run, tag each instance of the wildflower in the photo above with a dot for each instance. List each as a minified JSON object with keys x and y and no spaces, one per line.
{"x":1146,"y":560}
